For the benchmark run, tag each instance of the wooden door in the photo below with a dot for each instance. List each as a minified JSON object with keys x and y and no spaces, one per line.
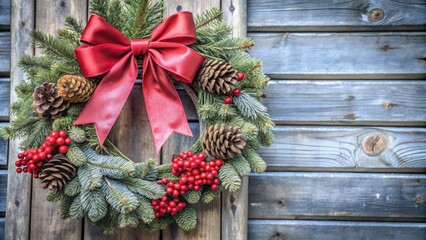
{"x":29,"y":215}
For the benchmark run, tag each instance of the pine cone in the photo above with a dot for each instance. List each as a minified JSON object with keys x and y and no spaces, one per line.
{"x":222,"y":141}
{"x":47,"y":101}
{"x":74,"y":88}
{"x":57,"y":172}
{"x":217,"y":76}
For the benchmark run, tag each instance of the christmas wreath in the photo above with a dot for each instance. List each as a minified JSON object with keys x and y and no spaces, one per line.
{"x":77,"y":88}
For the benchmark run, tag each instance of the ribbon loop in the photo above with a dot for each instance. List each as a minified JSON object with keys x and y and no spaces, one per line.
{"x":139,"y":46}
{"x":165,"y":53}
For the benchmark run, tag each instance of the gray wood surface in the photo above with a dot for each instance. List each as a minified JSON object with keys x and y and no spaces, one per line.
{"x":334,"y":230}
{"x":4,"y":99}
{"x":49,"y":17}
{"x":338,"y":102}
{"x":328,"y":15}
{"x":4,"y":14}
{"x":2,"y":227}
{"x":349,"y":196}
{"x":19,"y":187}
{"x":361,"y":55}
{"x":4,"y":53}
{"x":343,"y":148}
{"x":4,"y":145}
{"x":3,"y":190}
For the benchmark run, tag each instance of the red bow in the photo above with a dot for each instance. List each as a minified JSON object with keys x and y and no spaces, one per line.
{"x":107,"y":50}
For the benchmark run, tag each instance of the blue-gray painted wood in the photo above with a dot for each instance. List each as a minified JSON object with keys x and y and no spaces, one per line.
{"x":346,"y":149}
{"x":4,"y":53}
{"x":332,"y":15}
{"x":4,"y":144}
{"x":3,"y":190}
{"x":361,"y":55}
{"x":4,"y":14}
{"x":338,"y":102}
{"x":334,"y":230}
{"x":2,"y":232}
{"x":4,"y":98}
{"x":337,"y":196}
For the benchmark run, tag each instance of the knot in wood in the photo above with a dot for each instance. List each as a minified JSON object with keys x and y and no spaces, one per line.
{"x":376,"y":15}
{"x":374,"y":145}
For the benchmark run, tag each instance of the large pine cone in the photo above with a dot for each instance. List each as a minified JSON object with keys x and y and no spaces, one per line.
{"x":57,"y":172}
{"x":74,"y":88}
{"x":222,"y":141}
{"x":216,"y":76}
{"x":47,"y":101}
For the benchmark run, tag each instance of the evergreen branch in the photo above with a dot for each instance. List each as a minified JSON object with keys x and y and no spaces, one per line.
{"x":208,"y":17}
{"x":145,"y":188}
{"x":118,"y":196}
{"x":186,"y":219}
{"x":229,"y":177}
{"x":94,"y":204}
{"x":53,"y":47}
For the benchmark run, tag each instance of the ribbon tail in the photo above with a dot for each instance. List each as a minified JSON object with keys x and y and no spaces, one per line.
{"x":163,"y":105}
{"x":109,"y":97}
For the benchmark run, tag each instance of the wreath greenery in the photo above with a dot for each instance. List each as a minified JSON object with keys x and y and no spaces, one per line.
{"x":101,"y":182}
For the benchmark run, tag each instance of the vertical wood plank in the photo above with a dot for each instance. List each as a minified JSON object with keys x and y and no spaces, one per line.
{"x":19,"y":186}
{"x":46,"y":222}
{"x":234,"y":205}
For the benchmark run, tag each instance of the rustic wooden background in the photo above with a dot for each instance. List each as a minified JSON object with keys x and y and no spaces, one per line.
{"x":348,"y":95}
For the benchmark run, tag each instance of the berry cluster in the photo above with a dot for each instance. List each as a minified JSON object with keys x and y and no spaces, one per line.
{"x":32,"y":160}
{"x":167,"y":205}
{"x":236,"y":92}
{"x":193,"y":172}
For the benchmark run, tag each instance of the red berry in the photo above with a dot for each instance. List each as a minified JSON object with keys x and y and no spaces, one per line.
{"x":177,"y":186}
{"x":190,"y":153}
{"x":169,"y":190}
{"x":214,"y":187}
{"x":227,"y":100}
{"x":62,"y":134}
{"x":49,"y":156}
{"x":21,"y":155}
{"x":42,"y":155}
{"x":18,"y":163}
{"x":60,"y":141}
{"x":196,"y":187}
{"x":54,"y":134}
{"x":216,"y":181}
{"x":172,"y":204}
{"x":68,"y":141}
{"x":31,"y":166}
{"x":175,"y":193}
{"x":164,"y":181}
{"x":48,"y":149}
{"x":171,"y":184}
{"x":19,"y":170}
{"x":240,"y":76}
{"x":35,"y":175}
{"x":63,"y":149}
{"x":236,"y":92}
{"x":25,"y":169}
{"x":183,"y":180}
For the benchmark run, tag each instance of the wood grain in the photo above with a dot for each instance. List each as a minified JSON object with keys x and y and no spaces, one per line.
{"x":328,"y":15}
{"x":361,"y":102}
{"x":19,"y":187}
{"x":208,"y":215}
{"x":334,"y":230}
{"x":4,"y":99}
{"x":50,"y":16}
{"x":196,"y":7}
{"x":338,"y":196}
{"x":342,"y":148}
{"x":362,"y":55}
{"x":3,"y":190}
{"x":4,"y":53}
{"x":4,"y":14}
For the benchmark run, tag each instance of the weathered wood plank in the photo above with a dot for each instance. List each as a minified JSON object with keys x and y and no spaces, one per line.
{"x":4,"y":145}
{"x":207,"y":214}
{"x":2,"y":228}
{"x":340,"y":102}
{"x":19,"y":185}
{"x":4,"y":53}
{"x":334,"y":230}
{"x":362,"y":55}
{"x":4,"y":98}
{"x":3,"y":190}
{"x":396,"y":149}
{"x":298,"y":15}
{"x":196,"y":7}
{"x":50,"y":16}
{"x":4,"y":14}
{"x":349,"y":196}
{"x":234,"y":205}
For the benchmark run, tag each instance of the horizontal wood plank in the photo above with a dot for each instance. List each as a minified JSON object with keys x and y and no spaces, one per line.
{"x":363,"y":55}
{"x":4,"y":53}
{"x":4,"y":98}
{"x":337,"y":102}
{"x":2,"y":228}
{"x":332,"y":15}
{"x":4,"y":14}
{"x":395,"y":149}
{"x":4,"y":146}
{"x":337,"y":196}
{"x":334,"y":230}
{"x":3,"y":190}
